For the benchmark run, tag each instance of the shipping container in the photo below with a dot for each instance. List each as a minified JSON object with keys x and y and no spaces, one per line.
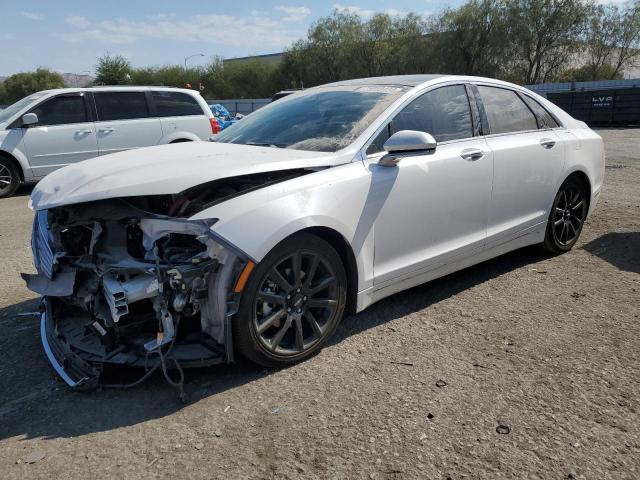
{"x":601,"y":107}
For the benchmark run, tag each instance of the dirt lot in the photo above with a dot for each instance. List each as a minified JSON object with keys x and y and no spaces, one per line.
{"x":548,"y":347}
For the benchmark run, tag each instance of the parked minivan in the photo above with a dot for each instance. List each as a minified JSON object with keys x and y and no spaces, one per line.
{"x":53,"y":128}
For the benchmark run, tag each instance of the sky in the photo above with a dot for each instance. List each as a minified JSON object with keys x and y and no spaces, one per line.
{"x":68,"y":36}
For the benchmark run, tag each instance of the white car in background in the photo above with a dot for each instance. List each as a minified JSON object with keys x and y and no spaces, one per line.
{"x":325,"y":201}
{"x":53,"y":128}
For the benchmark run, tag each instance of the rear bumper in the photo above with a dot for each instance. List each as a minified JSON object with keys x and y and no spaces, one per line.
{"x":595,"y":196}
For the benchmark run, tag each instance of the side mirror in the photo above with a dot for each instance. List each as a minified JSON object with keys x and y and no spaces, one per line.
{"x":29,"y":119}
{"x":406,"y":142}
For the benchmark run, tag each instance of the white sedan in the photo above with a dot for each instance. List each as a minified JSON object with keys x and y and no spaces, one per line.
{"x":319,"y":204}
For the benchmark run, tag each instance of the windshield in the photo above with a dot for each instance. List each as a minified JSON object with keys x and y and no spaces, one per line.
{"x":323,"y":120}
{"x":11,"y":110}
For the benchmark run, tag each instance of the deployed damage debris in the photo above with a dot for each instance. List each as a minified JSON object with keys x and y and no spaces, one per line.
{"x":132,"y":281}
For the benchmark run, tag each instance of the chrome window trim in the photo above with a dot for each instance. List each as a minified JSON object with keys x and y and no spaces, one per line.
{"x":556,"y":119}
{"x":522,"y":91}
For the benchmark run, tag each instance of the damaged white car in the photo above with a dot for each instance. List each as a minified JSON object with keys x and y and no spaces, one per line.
{"x":323,"y":202}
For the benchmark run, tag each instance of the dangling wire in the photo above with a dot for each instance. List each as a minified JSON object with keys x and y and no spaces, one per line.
{"x":179,"y":384}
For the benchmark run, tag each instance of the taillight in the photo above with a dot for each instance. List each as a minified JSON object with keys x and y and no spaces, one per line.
{"x":215,"y":126}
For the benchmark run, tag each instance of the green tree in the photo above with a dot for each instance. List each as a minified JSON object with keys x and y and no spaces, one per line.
{"x":210,"y":76}
{"x":22,"y":84}
{"x":628,"y":50}
{"x":545,"y":34}
{"x":167,"y":75}
{"x":587,"y":73}
{"x":249,"y":80}
{"x":473,"y":38}
{"x":613,"y":40}
{"x":344,"y":46}
{"x":113,"y":70}
{"x":526,"y":41}
{"x":414,"y":50}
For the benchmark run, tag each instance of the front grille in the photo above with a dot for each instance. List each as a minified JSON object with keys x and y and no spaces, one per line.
{"x":41,"y":241}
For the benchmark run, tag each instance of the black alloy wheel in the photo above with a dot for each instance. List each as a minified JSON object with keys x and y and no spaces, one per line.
{"x":292,"y":303}
{"x":9,"y":178}
{"x":567,"y":217}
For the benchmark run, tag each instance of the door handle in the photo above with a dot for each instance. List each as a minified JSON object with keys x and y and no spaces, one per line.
{"x":83,"y":132}
{"x":106,"y":130}
{"x":547,"y":143}
{"x":472,"y":154}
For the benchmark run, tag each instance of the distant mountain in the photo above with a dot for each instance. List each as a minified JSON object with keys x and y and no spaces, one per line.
{"x":77,"y":79}
{"x":2,"y":79}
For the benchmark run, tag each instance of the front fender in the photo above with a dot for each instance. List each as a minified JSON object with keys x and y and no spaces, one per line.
{"x":334,"y":198}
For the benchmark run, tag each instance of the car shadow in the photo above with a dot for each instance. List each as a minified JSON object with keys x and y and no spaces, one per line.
{"x":24,"y":190}
{"x":35,"y":404}
{"x":620,"y":249}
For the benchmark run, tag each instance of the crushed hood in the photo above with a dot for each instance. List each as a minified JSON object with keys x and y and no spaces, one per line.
{"x":166,"y":169}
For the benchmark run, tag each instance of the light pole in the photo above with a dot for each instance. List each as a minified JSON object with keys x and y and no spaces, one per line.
{"x":191,"y":56}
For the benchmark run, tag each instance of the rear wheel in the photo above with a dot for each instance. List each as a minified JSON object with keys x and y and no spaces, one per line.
{"x":9,"y":178}
{"x":567,"y":217}
{"x":292,"y":302}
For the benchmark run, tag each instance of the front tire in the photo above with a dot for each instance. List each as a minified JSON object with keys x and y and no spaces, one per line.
{"x":567,"y":217}
{"x":9,"y":178}
{"x":292,"y":303}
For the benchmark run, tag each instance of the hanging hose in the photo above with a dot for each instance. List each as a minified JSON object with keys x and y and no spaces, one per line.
{"x":179,"y":384}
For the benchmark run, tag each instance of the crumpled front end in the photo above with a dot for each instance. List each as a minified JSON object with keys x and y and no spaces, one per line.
{"x":132,"y":282}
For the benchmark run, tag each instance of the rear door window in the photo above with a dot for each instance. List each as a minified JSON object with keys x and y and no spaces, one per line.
{"x":545,"y":120}
{"x":176,"y":104}
{"x":443,"y":112}
{"x":121,"y":105}
{"x":62,"y":110}
{"x":506,"y":112}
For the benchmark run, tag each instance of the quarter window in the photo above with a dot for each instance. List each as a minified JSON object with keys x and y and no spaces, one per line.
{"x":545,"y":120}
{"x":121,"y":105}
{"x":176,"y":104}
{"x":443,"y":112}
{"x":377,"y":145}
{"x":505,"y":111}
{"x":62,"y":110}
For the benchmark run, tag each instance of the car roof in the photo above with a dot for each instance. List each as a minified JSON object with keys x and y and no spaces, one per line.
{"x":393,"y":80}
{"x":119,"y":88}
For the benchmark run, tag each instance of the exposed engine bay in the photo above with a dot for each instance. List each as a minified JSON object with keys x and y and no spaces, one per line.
{"x":133,"y":281}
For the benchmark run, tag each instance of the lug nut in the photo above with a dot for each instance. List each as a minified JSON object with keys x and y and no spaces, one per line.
{"x":299,"y":311}
{"x":289,"y":309}
{"x":304,"y":298}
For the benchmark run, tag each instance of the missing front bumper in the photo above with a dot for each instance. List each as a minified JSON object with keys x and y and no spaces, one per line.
{"x":76,"y":372}
{"x":71,"y":351}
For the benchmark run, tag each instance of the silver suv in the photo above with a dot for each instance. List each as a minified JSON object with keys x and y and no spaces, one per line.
{"x":50,"y":129}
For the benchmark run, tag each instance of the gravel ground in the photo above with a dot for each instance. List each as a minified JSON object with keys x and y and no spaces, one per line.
{"x":417,"y":386}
